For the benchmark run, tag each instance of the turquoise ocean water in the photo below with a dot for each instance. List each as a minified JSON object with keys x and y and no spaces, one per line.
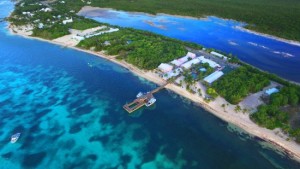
{"x":68,"y":106}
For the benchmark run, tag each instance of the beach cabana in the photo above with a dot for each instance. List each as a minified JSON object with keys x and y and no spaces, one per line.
{"x":164,"y":67}
{"x":213,"y":77}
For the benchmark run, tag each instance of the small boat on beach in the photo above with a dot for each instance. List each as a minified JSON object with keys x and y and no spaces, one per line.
{"x":14,"y":138}
{"x":150,"y":102}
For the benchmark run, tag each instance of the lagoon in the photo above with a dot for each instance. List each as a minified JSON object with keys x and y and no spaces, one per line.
{"x":265,"y":53}
{"x":67,"y":105}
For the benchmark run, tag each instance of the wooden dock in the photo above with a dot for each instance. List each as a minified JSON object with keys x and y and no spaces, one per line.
{"x":141,"y":101}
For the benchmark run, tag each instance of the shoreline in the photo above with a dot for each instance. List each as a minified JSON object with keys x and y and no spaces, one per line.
{"x":292,"y":42}
{"x":290,"y":148}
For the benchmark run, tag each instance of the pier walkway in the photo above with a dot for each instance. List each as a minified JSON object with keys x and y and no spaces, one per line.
{"x":142,"y":100}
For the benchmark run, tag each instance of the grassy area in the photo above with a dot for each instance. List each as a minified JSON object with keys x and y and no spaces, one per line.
{"x":237,"y":84}
{"x":276,"y":17}
{"x":143,"y":49}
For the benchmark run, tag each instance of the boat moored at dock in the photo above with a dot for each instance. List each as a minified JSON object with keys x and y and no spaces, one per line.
{"x":150,"y":102}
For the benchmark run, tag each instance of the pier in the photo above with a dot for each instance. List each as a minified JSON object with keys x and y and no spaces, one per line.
{"x":142,"y":100}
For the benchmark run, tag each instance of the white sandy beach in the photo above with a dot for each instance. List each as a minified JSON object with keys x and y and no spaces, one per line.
{"x":228,"y":114}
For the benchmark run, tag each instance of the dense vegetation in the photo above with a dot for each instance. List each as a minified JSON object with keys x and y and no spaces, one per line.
{"x":52,"y":20}
{"x":143,"y":49}
{"x":237,"y":84}
{"x":277,"y":17}
{"x":272,"y":116}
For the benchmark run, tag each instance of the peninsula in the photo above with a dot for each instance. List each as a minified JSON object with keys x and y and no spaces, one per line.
{"x":258,"y":102}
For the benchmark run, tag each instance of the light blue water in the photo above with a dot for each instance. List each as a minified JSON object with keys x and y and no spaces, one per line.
{"x":270,"y":55}
{"x":70,"y":116}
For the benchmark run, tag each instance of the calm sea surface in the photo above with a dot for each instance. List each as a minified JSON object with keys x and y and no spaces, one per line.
{"x":270,"y":55}
{"x":68,"y":107}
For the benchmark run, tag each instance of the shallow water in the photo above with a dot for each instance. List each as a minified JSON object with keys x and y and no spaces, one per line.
{"x":68,"y":106}
{"x":270,"y":55}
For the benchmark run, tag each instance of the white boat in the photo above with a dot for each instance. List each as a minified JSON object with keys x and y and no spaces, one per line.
{"x":150,"y":102}
{"x":14,"y":138}
{"x":139,"y":94}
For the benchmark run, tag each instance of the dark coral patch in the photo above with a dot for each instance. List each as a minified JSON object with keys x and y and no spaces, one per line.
{"x":33,"y":160}
{"x":92,"y":157}
{"x":6,"y":155}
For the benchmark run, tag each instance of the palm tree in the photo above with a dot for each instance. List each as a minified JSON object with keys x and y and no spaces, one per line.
{"x":223,"y":105}
{"x":237,"y":108}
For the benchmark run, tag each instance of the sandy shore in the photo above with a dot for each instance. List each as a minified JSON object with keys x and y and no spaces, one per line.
{"x":228,"y":114}
{"x":292,"y":42}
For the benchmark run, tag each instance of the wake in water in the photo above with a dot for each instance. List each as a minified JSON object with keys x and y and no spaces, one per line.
{"x":283,"y":54}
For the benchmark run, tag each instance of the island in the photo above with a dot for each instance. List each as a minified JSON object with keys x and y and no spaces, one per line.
{"x":261,"y":103}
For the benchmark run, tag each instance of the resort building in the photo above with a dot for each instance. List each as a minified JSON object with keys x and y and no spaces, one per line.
{"x":172,"y":73}
{"x":218,"y":55}
{"x":67,"y":21}
{"x":271,"y":91}
{"x":213,"y":77}
{"x":180,"y":61}
{"x":189,"y":64}
{"x":164,"y":67}
{"x":78,"y":38}
{"x":210,"y":62}
{"x":46,"y":9}
{"x":99,"y":33}
{"x":191,"y":55}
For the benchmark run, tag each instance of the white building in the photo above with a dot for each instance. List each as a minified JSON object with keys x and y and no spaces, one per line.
{"x":67,"y":21}
{"x":99,"y":33}
{"x":210,"y":62}
{"x":179,"y":80}
{"x":164,"y":67}
{"x":40,"y":25}
{"x":184,"y":59}
{"x":191,"y":55}
{"x":189,"y":64}
{"x":213,"y":77}
{"x":218,"y":55}
{"x":172,"y":73}
{"x":271,"y":91}
{"x":46,"y":9}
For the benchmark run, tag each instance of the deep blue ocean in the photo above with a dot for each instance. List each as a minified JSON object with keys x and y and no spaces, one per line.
{"x":267,"y":54}
{"x":67,"y":105}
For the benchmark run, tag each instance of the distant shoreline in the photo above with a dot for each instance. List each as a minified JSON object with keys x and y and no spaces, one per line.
{"x":292,"y":42}
{"x":240,"y":120}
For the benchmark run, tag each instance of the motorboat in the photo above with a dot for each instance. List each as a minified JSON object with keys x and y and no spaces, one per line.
{"x":150,"y":102}
{"x":14,"y":138}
